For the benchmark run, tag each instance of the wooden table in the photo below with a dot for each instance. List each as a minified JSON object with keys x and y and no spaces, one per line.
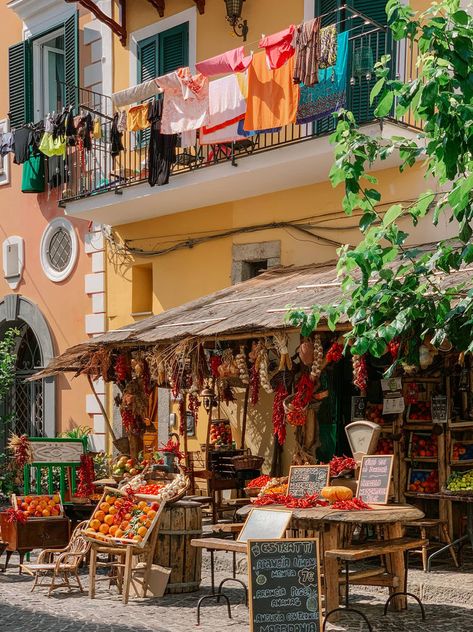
{"x":330,"y":525}
{"x":456,"y":498}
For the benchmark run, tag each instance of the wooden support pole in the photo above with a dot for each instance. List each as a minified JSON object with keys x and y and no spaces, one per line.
{"x":245,"y":416}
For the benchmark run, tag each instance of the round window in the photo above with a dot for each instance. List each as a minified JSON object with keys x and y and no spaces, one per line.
{"x":58,"y":249}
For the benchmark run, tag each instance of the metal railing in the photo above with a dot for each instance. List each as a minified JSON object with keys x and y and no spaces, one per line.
{"x":96,"y":171}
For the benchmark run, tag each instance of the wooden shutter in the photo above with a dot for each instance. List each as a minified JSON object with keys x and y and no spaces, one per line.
{"x":322,"y":7}
{"x":359,"y":94}
{"x":20,"y":84}
{"x":71,"y":60}
{"x":174,"y":49}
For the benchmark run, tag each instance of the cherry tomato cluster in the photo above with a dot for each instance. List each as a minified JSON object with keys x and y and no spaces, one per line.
{"x":150,"y":489}
{"x":355,"y":504}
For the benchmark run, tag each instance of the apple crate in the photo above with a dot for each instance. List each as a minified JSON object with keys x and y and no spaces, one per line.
{"x":422,"y":446}
{"x":107,"y":512}
{"x":419,"y":413}
{"x":36,"y":500}
{"x":423,"y":481}
{"x":461,"y":452}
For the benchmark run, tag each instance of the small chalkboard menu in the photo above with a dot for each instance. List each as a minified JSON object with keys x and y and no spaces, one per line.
{"x":307,"y":479}
{"x":375,"y":479}
{"x":284,"y":585}
{"x":265,"y":523}
{"x":439,"y":408}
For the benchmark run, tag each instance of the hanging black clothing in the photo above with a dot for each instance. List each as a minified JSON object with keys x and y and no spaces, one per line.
{"x":162,"y":147}
{"x":22,"y":138}
{"x":71,"y":131}
{"x":116,"y":137}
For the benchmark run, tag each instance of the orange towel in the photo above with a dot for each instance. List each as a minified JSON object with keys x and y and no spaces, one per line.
{"x":272,"y":95}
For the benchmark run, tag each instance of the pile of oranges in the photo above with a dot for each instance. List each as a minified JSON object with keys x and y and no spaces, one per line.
{"x":115,"y":518}
{"x":44,"y":506}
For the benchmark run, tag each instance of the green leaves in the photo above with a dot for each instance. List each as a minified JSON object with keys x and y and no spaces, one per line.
{"x":385,"y":105}
{"x":392,"y":214}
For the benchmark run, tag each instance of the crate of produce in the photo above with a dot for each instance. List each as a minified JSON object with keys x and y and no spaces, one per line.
{"x":385,"y":446}
{"x":422,"y":445}
{"x":423,"y":481}
{"x":374,"y":413}
{"x":36,"y":506}
{"x":419,"y":412}
{"x":460,"y":484}
{"x":461,"y":452}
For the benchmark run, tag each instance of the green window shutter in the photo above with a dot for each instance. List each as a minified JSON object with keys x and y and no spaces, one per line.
{"x":71,"y":60}
{"x":321,"y":8}
{"x":174,"y":49}
{"x":148,"y":59}
{"x":20,"y":83}
{"x":364,"y":52}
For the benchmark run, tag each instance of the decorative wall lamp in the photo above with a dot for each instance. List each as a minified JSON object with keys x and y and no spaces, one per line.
{"x":234,"y":9}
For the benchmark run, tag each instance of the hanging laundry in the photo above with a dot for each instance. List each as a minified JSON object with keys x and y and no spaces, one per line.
{"x":51,"y":146}
{"x":122,"y":121}
{"x":49,"y":124}
{"x":71,"y":131}
{"x":137,"y":118}
{"x":23,"y":137}
{"x":187,"y":139}
{"x":56,"y":171}
{"x":272,"y":95}
{"x":135,"y":94}
{"x":32,"y":177}
{"x":328,"y":46}
{"x":162,"y":147}
{"x":84,"y":130}
{"x":231,"y":61}
{"x":279,"y":47}
{"x":7,"y":143}
{"x":228,"y":134}
{"x":116,"y":136}
{"x":245,"y":134}
{"x":97,"y":130}
{"x":227,"y":104}
{"x":307,"y":52}
{"x":329,"y":95}
{"x":186,"y":101}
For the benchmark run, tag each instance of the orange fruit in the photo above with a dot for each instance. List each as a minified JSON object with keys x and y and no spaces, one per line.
{"x":128,"y":516}
{"x":42,"y":504}
{"x":54,"y":512}
{"x":143,"y":518}
{"x":112,"y":511}
{"x":99,"y":515}
{"x":151,"y":514}
{"x":51,"y":503}
{"x":110,"y":499}
{"x":105,"y":507}
{"x":118,"y":502}
{"x":95,"y":525}
{"x":113,"y":529}
{"x":142,"y":505}
{"x":119,"y":533}
{"x":124,"y":525}
{"x":104,"y":528}
{"x":142,"y":531}
{"x":56,"y":498}
{"x":137,"y":538}
{"x":46,"y":513}
{"x":109,"y":519}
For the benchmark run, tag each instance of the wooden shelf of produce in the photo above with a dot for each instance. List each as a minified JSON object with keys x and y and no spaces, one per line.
{"x":416,"y":495}
{"x":431,"y":385}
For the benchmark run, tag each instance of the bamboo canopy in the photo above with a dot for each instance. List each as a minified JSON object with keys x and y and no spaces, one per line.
{"x":253,"y":308}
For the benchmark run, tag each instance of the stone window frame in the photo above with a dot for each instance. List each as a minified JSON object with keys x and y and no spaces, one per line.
{"x":269,"y":251}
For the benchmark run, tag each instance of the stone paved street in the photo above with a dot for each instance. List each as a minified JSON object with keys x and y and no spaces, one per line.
{"x":23,"y":611}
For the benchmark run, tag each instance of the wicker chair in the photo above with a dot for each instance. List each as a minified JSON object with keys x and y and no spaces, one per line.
{"x":60,"y":564}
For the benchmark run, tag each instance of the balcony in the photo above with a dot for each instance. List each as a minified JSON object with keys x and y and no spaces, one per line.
{"x":116,"y":191}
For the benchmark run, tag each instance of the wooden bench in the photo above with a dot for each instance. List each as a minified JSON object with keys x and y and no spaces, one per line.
{"x":356,"y":553}
{"x":428,"y":524}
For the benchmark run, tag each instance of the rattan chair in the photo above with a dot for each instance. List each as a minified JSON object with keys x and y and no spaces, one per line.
{"x":60,"y":564}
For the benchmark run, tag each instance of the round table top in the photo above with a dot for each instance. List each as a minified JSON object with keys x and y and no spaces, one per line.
{"x":380,"y":514}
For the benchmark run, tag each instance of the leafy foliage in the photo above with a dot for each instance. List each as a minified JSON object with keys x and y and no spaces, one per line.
{"x":7,"y":361}
{"x":388,"y":289}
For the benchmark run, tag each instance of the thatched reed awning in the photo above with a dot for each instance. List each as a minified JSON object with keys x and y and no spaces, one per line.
{"x":249,"y":309}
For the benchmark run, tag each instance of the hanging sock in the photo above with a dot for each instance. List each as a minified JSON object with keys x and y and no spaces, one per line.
{"x":279,"y":47}
{"x":231,"y":61}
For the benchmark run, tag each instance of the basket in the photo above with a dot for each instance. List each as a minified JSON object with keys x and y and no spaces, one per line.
{"x":247,"y":462}
{"x":295,"y":416}
{"x":252,"y":492}
{"x":461,"y":492}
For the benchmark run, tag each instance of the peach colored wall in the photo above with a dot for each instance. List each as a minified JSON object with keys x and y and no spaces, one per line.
{"x":63,"y":304}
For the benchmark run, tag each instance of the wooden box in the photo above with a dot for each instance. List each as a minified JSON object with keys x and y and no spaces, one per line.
{"x":42,"y":533}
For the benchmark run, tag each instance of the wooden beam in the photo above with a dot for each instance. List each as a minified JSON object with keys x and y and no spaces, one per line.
{"x":159,"y":5}
{"x":115,"y":27}
{"x":200,"y":6}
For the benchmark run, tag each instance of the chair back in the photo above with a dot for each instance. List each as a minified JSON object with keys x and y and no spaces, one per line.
{"x":77,"y":545}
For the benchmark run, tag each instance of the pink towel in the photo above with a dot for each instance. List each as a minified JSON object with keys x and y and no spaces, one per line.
{"x":278,"y":47}
{"x":231,"y":61}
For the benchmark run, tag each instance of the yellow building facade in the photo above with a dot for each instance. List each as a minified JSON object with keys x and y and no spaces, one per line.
{"x":213,"y":226}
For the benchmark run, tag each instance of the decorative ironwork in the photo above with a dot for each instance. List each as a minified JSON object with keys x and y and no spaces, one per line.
{"x":60,"y":250}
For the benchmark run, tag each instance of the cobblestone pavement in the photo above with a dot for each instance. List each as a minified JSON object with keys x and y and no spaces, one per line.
{"x":23,"y":611}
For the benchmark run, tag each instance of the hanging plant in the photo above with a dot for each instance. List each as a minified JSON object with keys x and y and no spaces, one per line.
{"x":335,"y":353}
{"x":263,"y":366}
{"x":318,"y":363}
{"x":194,"y":405}
{"x":240,"y":360}
{"x":182,"y":417}
{"x":86,"y":476}
{"x":254,"y":385}
{"x":122,"y":368}
{"x":21,"y":449}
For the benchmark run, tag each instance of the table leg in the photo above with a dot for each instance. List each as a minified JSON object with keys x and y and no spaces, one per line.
{"x":330,"y":540}
{"x":397,"y":567}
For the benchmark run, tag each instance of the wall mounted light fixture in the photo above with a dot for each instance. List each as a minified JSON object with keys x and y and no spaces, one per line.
{"x":234,"y":9}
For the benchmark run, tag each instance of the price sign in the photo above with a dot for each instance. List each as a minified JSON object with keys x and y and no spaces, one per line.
{"x":358,"y":408}
{"x":375,"y":479}
{"x":262,"y":523}
{"x":439,"y":408}
{"x":284,"y":585}
{"x":307,"y":479}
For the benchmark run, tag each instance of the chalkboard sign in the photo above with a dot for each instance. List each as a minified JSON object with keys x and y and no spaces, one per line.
{"x":307,"y":479}
{"x":439,"y":408}
{"x":284,"y":585}
{"x":375,"y":479}
{"x":265,"y":523}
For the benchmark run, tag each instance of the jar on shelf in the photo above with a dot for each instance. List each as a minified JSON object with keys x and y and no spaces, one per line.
{"x":221,"y":433}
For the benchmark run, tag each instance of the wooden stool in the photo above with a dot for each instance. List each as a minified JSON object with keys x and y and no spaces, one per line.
{"x":424,"y":526}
